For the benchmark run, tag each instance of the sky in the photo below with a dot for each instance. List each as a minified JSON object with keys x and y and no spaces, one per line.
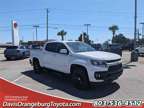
{"x":70,"y":15}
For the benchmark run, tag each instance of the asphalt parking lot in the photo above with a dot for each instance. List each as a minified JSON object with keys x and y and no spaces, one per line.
{"x":129,"y":86}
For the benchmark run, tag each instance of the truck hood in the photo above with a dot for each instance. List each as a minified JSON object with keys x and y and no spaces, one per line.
{"x":100,"y":55}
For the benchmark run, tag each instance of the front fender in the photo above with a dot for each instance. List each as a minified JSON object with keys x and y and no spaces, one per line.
{"x":80,"y":62}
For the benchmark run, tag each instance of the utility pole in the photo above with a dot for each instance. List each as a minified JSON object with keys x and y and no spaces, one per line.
{"x":135,"y":24}
{"x":87,"y":26}
{"x":138,"y":35}
{"x":47,"y":13}
{"x":36,"y":27}
{"x":22,"y":38}
{"x":33,"y":35}
{"x":142,"y":29}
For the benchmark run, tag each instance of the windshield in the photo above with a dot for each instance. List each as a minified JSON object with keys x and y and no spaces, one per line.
{"x":80,"y":47}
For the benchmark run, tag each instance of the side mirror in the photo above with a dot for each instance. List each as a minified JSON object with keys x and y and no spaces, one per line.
{"x":63,"y":51}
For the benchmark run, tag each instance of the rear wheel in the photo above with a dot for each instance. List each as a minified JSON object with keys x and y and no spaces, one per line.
{"x":8,"y":58}
{"x":36,"y":66}
{"x":79,"y":78}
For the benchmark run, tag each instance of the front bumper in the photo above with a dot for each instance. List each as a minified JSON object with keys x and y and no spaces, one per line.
{"x":97,"y":74}
{"x":108,"y":75}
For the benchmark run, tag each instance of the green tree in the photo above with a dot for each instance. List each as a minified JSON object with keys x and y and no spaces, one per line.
{"x":113,"y":29}
{"x":121,"y":39}
{"x":106,"y":44}
{"x":62,"y":33}
{"x":141,"y":41}
{"x":84,"y":37}
{"x":21,"y":41}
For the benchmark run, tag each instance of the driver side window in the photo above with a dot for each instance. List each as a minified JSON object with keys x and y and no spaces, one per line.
{"x":61,"y":46}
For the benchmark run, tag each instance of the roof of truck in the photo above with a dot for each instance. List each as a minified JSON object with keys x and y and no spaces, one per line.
{"x":62,"y":41}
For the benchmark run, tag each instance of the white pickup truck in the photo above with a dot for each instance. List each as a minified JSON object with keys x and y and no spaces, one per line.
{"x":80,"y":60}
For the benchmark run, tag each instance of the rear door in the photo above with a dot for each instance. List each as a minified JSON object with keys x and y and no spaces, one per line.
{"x":49,"y":55}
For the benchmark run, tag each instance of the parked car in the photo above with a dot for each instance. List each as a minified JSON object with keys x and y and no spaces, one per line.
{"x":140,"y":50}
{"x":35,"y":46}
{"x":113,"y":48}
{"x":97,"y":47}
{"x":16,"y":52}
{"x":82,"y":62}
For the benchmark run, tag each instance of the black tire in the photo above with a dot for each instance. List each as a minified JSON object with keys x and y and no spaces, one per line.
{"x":8,"y":58}
{"x":80,"y":78}
{"x":36,"y":66}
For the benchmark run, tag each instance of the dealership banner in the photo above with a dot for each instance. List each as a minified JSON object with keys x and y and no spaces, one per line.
{"x":15,"y":96}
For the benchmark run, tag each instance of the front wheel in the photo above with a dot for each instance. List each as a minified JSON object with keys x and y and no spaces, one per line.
{"x":79,"y":78}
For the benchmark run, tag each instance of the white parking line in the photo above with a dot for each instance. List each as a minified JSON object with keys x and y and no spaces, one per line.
{"x":18,"y":78}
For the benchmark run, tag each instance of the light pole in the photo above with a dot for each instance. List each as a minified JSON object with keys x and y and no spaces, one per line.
{"x":135,"y":24}
{"x":47,"y":13}
{"x":142,"y":29}
{"x":36,"y":27}
{"x":138,"y":35}
{"x":87,"y":26}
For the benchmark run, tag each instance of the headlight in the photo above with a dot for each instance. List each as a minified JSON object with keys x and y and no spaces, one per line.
{"x":98,"y":63}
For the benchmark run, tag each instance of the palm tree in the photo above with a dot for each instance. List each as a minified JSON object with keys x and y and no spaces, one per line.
{"x":114,"y":28}
{"x":62,"y":33}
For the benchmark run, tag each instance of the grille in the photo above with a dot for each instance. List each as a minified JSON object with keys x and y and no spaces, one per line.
{"x":115,"y":67}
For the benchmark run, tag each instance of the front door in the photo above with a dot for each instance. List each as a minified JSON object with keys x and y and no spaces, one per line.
{"x":62,"y":61}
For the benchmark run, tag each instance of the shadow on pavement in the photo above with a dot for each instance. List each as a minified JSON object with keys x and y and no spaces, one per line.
{"x":62,"y":82}
{"x":128,"y":66}
{"x":10,"y":60}
{"x":5,"y":60}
